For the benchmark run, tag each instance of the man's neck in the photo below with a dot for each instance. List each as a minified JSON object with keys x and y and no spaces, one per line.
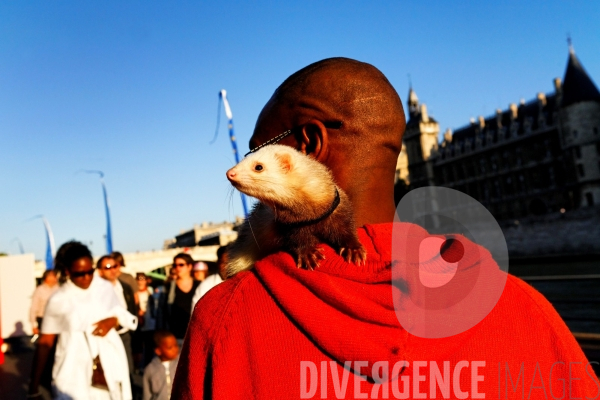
{"x":372,"y":199}
{"x":114,"y":283}
{"x":372,"y":209}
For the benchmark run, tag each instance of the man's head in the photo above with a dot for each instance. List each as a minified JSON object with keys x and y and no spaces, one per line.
{"x":200,"y":271}
{"x":75,"y":260}
{"x":172,"y":275}
{"x":49,"y":277}
{"x":165,"y":345}
{"x":119,"y":259}
{"x":108,"y":268}
{"x":183,"y":264}
{"x":347,"y":115}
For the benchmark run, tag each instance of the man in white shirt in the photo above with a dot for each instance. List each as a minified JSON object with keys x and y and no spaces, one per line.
{"x":110,"y":270}
{"x":40,"y":298}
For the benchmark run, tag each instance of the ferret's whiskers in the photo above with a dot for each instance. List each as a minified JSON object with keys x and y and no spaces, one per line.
{"x":253,"y":235}
{"x":230,"y":201}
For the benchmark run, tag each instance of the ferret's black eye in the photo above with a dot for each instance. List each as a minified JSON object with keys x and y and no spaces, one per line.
{"x":258,"y":167}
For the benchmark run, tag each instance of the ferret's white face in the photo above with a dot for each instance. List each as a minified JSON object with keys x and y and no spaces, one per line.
{"x":265,"y":174}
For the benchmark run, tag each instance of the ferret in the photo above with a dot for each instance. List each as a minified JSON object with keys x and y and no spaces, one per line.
{"x":300,"y":207}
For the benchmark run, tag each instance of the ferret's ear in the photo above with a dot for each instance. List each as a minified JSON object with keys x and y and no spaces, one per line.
{"x":285,"y":161}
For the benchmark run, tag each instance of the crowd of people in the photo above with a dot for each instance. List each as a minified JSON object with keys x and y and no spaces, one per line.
{"x":100,"y":326}
{"x":278,"y":323}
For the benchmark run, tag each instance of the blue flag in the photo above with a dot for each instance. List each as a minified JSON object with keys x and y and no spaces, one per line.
{"x":49,"y":244}
{"x":109,"y":246}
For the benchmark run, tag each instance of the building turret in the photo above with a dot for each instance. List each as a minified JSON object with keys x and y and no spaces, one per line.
{"x":577,"y":86}
{"x":413,"y":104}
{"x":421,"y":141}
{"x":580,"y":129}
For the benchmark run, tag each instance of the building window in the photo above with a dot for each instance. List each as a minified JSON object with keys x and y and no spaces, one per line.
{"x":547,"y":149}
{"x":575,"y":133}
{"x":580,"y":170}
{"x":578,"y":152}
{"x":590,"y":199}
{"x":527,"y":124}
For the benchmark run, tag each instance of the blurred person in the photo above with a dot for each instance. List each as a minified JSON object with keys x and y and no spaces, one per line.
{"x":200,"y":271}
{"x":124,"y":276}
{"x":145,"y":291}
{"x":109,"y":270}
{"x":179,"y":296}
{"x":142,"y":337}
{"x":154,"y":318}
{"x":81,"y":318}
{"x":268,"y":328}
{"x":40,"y":297}
{"x":171,"y":275}
{"x":215,"y":278}
{"x":159,"y":374}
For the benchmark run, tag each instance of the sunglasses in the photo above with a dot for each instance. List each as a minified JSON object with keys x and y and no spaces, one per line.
{"x":81,"y":274}
{"x":281,"y":136}
{"x":179,"y":265}
{"x":109,"y":266}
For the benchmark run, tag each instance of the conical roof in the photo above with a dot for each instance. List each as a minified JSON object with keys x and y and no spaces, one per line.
{"x":577,"y":86}
{"x":412,"y":96}
{"x":413,"y":105}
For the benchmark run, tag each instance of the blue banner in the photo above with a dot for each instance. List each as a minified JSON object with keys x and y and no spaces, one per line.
{"x":223,"y":97}
{"x":49,"y":244}
{"x":109,"y":246}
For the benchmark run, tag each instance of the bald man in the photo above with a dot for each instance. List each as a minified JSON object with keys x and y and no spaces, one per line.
{"x":279,"y":332}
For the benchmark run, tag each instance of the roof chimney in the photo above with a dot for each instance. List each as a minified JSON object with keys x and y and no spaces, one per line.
{"x":522,"y":102}
{"x":541,"y":98}
{"x":472,"y":120}
{"x":481,"y":122}
{"x":424,"y":115}
{"x":514,"y":111}
{"x":498,"y":117}
{"x":448,"y":135}
{"x":557,"y":85}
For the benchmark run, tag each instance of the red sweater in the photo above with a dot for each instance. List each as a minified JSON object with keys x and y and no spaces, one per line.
{"x":279,"y":332}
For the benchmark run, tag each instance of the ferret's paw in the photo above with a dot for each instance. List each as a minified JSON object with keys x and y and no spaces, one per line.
{"x":356,"y":255}
{"x":310,"y":259}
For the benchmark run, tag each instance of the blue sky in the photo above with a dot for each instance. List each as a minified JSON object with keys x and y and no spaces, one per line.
{"x":131,"y":88}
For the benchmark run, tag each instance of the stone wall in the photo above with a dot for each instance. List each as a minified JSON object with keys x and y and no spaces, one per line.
{"x":575,"y":232}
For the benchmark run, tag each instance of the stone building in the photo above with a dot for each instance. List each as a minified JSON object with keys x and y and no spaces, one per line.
{"x":534,"y":158}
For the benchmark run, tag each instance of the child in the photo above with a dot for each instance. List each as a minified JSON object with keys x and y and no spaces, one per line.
{"x":158,"y":375}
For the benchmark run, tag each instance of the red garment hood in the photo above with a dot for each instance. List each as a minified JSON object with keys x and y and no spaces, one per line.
{"x":348,"y":310}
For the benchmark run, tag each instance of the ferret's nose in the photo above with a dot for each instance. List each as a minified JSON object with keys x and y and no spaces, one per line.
{"x":231,"y":174}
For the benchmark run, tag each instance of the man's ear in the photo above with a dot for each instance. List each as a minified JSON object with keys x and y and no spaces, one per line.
{"x":314,"y":139}
{"x":157,"y":351}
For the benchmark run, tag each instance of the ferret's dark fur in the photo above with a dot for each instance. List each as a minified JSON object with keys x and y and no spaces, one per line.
{"x":295,"y":192}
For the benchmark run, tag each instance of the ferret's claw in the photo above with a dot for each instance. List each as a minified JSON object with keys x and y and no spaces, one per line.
{"x":310,"y":260}
{"x":356,"y":255}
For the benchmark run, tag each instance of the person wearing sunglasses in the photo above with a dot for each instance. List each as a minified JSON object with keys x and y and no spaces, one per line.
{"x":81,"y":318}
{"x":110,"y":270}
{"x":180,"y":295}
